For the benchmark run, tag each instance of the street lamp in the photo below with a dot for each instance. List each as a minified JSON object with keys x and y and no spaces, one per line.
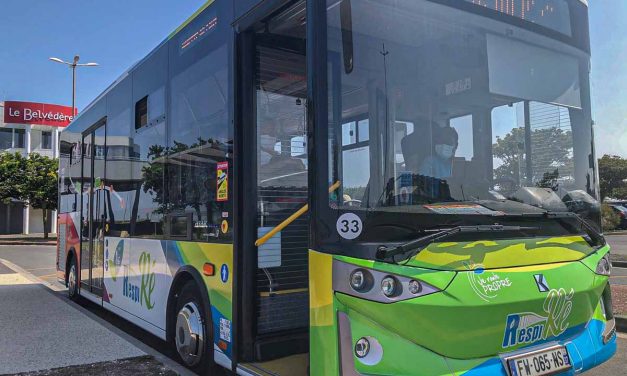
{"x":73,"y":65}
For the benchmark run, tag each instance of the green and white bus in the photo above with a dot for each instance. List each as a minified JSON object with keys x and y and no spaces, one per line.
{"x":380,"y":187}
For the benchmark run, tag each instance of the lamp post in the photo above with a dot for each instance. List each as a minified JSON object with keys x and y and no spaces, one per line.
{"x":74,"y":64}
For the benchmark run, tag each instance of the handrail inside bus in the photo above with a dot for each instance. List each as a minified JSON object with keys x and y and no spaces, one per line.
{"x":261,"y":241}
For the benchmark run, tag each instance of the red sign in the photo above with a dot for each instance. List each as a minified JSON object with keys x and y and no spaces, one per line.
{"x":37,"y":113}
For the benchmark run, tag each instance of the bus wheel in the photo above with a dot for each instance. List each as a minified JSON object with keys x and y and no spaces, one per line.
{"x":72,"y":280}
{"x":191,"y":336}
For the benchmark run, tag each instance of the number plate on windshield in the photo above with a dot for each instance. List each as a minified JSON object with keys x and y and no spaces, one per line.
{"x":540,"y":363}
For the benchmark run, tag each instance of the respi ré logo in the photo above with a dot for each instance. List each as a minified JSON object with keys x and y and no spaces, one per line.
{"x":142,"y":294}
{"x":528,"y":327}
{"x":114,"y":265}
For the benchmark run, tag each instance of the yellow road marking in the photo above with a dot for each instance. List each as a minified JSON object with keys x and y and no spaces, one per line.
{"x":47,"y":275}
{"x":52,"y":268}
{"x":13,"y":279}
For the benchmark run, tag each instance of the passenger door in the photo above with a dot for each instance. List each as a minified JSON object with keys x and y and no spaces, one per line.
{"x":281,"y":185}
{"x":94,"y":213}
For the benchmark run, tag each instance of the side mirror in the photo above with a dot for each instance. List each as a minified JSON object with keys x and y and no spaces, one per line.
{"x":584,"y":205}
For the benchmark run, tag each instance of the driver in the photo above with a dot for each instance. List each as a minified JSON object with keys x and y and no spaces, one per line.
{"x":439,"y":163}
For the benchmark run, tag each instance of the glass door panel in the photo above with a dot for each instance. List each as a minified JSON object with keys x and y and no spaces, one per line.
{"x":99,"y":210}
{"x":282,"y":275}
{"x":86,"y":188}
{"x":94,"y":211}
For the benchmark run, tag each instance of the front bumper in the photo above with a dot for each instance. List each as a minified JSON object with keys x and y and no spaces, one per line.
{"x":399,"y":356}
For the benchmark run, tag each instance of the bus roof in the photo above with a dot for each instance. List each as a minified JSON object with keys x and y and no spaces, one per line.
{"x":139,"y":62}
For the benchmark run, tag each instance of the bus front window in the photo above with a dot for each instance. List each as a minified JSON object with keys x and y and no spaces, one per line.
{"x":442,"y":106}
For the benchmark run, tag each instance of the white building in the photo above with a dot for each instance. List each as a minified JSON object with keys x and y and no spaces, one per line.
{"x":27,"y":127}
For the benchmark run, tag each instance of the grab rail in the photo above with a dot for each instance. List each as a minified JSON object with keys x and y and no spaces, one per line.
{"x":261,"y":241}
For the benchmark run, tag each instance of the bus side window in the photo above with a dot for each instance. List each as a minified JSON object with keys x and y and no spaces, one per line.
{"x":199,"y":164}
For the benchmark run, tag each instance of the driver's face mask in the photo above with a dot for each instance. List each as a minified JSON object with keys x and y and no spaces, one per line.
{"x":445,"y":151}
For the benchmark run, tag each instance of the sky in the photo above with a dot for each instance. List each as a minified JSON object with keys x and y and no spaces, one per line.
{"x":112,"y":33}
{"x":608,"y":31}
{"x":116,"y":34}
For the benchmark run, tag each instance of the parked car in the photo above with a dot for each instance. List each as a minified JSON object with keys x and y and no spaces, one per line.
{"x":622,"y":213}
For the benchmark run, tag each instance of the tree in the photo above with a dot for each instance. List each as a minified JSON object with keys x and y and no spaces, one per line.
{"x":33,"y":180}
{"x":612,"y":176}
{"x":186,"y":183}
{"x":609,"y":219}
{"x":551,"y":155}
{"x":549,"y":180}
{"x":12,"y":177}
{"x":40,"y":187}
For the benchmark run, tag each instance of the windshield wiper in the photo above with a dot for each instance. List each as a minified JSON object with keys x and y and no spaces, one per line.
{"x":592,"y":232}
{"x":415,"y":246}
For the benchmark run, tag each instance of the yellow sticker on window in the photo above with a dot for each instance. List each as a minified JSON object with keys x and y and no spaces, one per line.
{"x":222,"y":193}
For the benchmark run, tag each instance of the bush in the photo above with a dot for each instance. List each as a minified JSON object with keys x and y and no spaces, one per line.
{"x":609,"y":218}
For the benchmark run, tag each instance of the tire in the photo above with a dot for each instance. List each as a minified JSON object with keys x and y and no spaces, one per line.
{"x":193,"y":341}
{"x":72,"y":279}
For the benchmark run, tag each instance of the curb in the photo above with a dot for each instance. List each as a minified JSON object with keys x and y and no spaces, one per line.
{"x":27,"y":243}
{"x":621,"y":324}
{"x":31,"y":277}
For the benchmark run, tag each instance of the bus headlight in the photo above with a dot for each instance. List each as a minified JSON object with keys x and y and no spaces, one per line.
{"x":390,"y":287}
{"x":361,"y":280}
{"x":415,"y":287}
{"x":362,"y":347}
{"x":378,"y":286}
{"x":604,"y":267}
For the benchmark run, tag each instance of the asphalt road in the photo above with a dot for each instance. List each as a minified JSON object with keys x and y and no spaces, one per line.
{"x":619,"y":246}
{"x":619,"y":276}
{"x":37,"y":260}
{"x":40,"y":261}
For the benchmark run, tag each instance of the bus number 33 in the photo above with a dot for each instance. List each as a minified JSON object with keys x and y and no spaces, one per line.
{"x":349,"y":226}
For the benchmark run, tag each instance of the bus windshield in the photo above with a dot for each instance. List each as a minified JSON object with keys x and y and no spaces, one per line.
{"x":438,"y":110}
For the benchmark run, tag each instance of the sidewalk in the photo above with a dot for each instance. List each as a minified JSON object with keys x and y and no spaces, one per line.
{"x":30,"y":239}
{"x":40,"y":331}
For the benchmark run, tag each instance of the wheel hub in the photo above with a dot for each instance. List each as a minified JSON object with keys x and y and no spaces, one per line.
{"x":189,"y":334}
{"x":72,"y":279}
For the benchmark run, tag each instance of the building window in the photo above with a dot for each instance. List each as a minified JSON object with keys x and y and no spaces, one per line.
{"x":12,"y":138}
{"x":18,"y":138}
{"x":141,"y":113}
{"x":46,"y":140}
{"x":6,"y":139}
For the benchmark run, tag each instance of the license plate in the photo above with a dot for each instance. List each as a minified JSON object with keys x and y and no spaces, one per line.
{"x":540,"y":363}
